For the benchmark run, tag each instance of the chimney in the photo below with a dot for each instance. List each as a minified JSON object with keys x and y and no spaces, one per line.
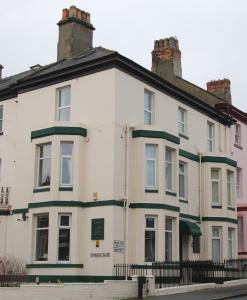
{"x":75,"y":33}
{"x":166,"y":58}
{"x":1,"y":69}
{"x":220,"y":88}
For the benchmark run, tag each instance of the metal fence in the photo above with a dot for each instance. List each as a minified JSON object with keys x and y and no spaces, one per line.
{"x":185,"y":272}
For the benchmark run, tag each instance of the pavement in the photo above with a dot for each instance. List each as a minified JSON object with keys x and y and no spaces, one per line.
{"x":238,"y":293}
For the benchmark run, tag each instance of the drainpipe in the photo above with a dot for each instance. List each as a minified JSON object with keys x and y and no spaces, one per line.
{"x":126,"y":195}
{"x":200,"y":190}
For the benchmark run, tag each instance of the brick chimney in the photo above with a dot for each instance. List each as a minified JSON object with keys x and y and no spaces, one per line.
{"x":220,"y":88}
{"x":75,"y":33}
{"x":1,"y":69}
{"x":166,"y":58}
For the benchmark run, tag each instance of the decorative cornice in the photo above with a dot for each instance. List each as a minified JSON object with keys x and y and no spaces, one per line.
{"x":58,"y":130}
{"x":219,"y":219}
{"x":156,"y":134}
{"x":218,"y":159}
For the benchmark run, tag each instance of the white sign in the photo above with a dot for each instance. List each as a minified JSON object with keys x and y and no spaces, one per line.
{"x":118,"y":246}
{"x":102,"y":254}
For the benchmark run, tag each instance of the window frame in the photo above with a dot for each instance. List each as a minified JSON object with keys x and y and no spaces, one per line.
{"x":182,"y":123}
{"x":218,"y":180}
{"x":230,"y":241}
{"x":172,"y":168}
{"x":152,"y":104}
{"x":169,"y":231}
{"x":148,"y":187}
{"x":35,"y":237}
{"x":230,"y":185}
{"x":152,"y":229}
{"x":241,"y":233}
{"x":185,"y":174}
{"x":64,"y":227}
{"x":210,"y":139}
{"x":239,"y":182}
{"x":237,"y":136}
{"x":38,"y":164}
{"x":58,"y":107}
{"x":66,"y":156}
{"x":220,"y":241}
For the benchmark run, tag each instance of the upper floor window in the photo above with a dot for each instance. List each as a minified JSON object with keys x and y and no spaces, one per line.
{"x":210,"y":137}
{"x":66,"y":164}
{"x":44,"y":165}
{"x":151,"y":165}
{"x":216,"y":186}
{"x":182,"y":180}
{"x":182,"y":121}
{"x":1,"y":119}
{"x":169,"y":167}
{"x":230,"y":195}
{"x":63,"y":104}
{"x":238,"y":134}
{"x":42,"y":232}
{"x":238,"y":182}
{"x":148,"y":108}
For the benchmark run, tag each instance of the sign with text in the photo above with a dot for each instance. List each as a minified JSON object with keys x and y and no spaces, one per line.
{"x":118,"y":246}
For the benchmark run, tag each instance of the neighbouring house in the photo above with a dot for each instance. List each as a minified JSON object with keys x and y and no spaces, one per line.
{"x":104,"y":162}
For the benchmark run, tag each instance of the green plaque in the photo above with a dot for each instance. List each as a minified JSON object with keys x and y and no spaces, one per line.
{"x":97,"y":229}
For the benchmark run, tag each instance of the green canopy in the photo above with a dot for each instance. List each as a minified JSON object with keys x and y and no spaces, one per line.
{"x":188,"y":228}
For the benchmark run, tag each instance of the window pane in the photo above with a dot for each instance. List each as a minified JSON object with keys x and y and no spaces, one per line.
{"x":44,"y":172}
{"x":215,"y":192}
{"x":42,"y":245}
{"x":149,"y":246}
{"x":66,"y":170}
{"x":168,"y":246}
{"x":151,"y":151}
{"x":45,"y":151}
{"x":181,"y":186}
{"x":214,"y":174}
{"x":64,"y":243}
{"x":64,"y":97}
{"x":150,"y":222}
{"x":43,"y":221}
{"x":169,"y":155}
{"x":216,"y":250}
{"x":64,"y":220}
{"x":168,"y":176}
{"x":1,"y":112}
{"x":147,"y":118}
{"x":181,"y":114}
{"x":148,"y":101}
{"x":150,"y":173}
{"x":1,"y":125}
{"x":169,"y":224}
{"x":64,"y":114}
{"x":240,"y":233}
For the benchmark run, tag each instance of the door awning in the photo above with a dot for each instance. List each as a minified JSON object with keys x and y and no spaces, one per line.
{"x":188,"y":228}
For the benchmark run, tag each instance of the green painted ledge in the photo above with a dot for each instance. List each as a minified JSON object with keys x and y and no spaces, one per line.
{"x":183,"y":201}
{"x":219,"y":219}
{"x":217,"y":206}
{"x":231,"y":208}
{"x":189,"y":155}
{"x":151,"y":191}
{"x":4,"y":212}
{"x":19,"y":211}
{"x":155,"y":206}
{"x":171,"y":193}
{"x":191,"y":217}
{"x":67,"y":278}
{"x":217,"y":159}
{"x":65,"y":189}
{"x":183,"y":136}
{"x":46,"y":266}
{"x":59,"y":130}
{"x":41,"y":190}
{"x":156,"y":134}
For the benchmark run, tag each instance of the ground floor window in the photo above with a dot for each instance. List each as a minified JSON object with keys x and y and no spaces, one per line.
{"x":240,"y":233}
{"x":168,"y":238}
{"x":42,"y":234}
{"x":64,"y":237}
{"x":150,"y":238}
{"x":230,"y":242}
{"x":216,"y":243}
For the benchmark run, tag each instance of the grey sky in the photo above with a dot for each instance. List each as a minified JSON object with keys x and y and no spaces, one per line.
{"x":212,"y":34}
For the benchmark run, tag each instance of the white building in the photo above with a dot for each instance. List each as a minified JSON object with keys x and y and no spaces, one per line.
{"x":98,"y":154}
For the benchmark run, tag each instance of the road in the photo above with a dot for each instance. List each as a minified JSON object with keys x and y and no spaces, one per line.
{"x":238,"y":293}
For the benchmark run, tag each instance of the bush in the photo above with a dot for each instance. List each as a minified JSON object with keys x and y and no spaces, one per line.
{"x":12,"y":271}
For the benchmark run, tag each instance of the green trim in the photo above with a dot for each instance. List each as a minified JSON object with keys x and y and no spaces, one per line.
{"x":67,"y":278}
{"x":156,"y":134}
{"x":171,"y":193}
{"x":191,"y":217}
{"x":231,"y":208}
{"x":216,"y":206}
{"x":61,"y":130}
{"x":151,"y":191}
{"x":41,"y":190}
{"x":104,"y":203}
{"x":45,"y":266}
{"x":155,"y":206}
{"x":66,"y":189}
{"x":183,"y":201}
{"x":187,"y":227}
{"x":19,"y":211}
{"x":220,"y":219}
{"x":189,"y":155}
{"x":183,"y":136}
{"x":221,"y":160}
{"x":4,"y":212}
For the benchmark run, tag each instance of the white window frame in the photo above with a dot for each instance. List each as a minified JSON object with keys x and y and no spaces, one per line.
{"x":148,"y":187}
{"x":169,"y":231}
{"x":154,"y":229}
{"x":64,"y":227}
{"x":148,"y":111}
{"x":240,"y":233}
{"x":171,"y":164}
{"x":39,"y":160}
{"x":239,"y":182}
{"x":1,"y":118}
{"x":218,"y":180}
{"x":230,"y":184}
{"x":60,"y":108}
{"x":184,"y":174}
{"x":238,"y":134}
{"x":66,"y":156}
{"x":35,"y":238}
{"x":182,"y":124}
{"x":218,"y":237}
{"x":210,"y":139}
{"x":231,"y":232}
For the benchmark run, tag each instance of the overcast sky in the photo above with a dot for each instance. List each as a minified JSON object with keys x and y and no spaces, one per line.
{"x":211,"y":33}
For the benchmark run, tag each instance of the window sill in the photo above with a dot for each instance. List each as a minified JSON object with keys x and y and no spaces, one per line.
{"x":41,"y":190}
{"x":216,"y":206}
{"x":231,"y":208}
{"x":183,"y":201}
{"x":238,"y":146}
{"x":183,"y":136}
{"x":66,"y":188}
{"x":171,"y":193}
{"x":151,"y":191}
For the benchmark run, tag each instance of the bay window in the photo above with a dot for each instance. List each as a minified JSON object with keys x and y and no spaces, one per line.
{"x":216,"y":244}
{"x":230,"y":195}
{"x":64,"y":237}
{"x":216,"y":187}
{"x":168,"y":239}
{"x":151,"y":166}
{"x":169,"y":169}
{"x":230,"y":242}
{"x":150,"y":238}
{"x":66,"y":149}
{"x":42,"y":234}
{"x":44,"y":165}
{"x":182,"y":180}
